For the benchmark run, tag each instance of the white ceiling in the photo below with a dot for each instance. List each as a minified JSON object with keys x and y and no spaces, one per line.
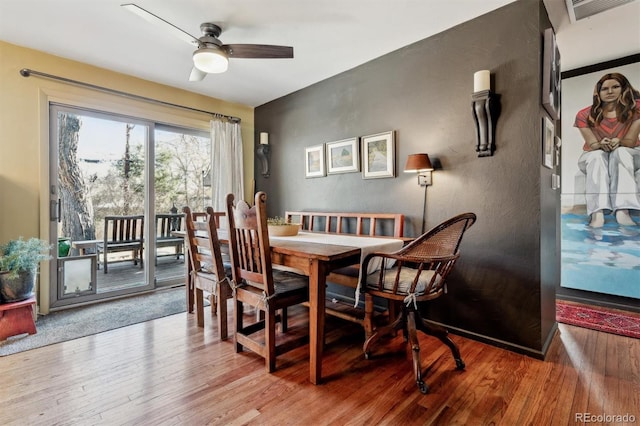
{"x":328,"y":36}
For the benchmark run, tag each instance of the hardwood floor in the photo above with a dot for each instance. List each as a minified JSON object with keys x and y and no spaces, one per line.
{"x":169,"y":372}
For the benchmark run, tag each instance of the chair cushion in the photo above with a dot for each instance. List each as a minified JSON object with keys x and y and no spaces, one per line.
{"x":407,"y":275}
{"x":285,"y":281}
{"x":207,"y":271}
{"x":209,"y":278}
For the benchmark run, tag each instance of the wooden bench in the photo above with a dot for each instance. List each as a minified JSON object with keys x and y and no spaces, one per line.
{"x":123,"y":233}
{"x":166,"y":224}
{"x":370,"y":224}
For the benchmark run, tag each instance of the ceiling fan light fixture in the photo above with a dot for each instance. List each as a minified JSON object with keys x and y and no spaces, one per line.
{"x":211,"y":60}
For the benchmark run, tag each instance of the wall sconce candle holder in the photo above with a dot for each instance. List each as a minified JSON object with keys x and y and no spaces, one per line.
{"x":264,"y":154}
{"x":485,"y":107}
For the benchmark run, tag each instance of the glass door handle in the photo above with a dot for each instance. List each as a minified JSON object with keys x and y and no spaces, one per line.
{"x":54,"y":210}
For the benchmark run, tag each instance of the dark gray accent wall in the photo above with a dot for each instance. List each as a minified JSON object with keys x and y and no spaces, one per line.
{"x":503,"y":289}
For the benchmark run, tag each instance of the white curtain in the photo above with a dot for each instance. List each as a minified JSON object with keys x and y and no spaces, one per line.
{"x":227,"y":162}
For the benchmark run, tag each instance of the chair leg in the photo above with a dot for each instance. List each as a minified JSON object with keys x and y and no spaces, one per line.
{"x":443,"y":335}
{"x":238,"y":312}
{"x":368,"y":316}
{"x":199,"y":296}
{"x":214,"y":303}
{"x":415,"y":350}
{"x":284,"y":323}
{"x":391,"y":329}
{"x":270,"y":340}
{"x":190,"y":293}
{"x":369,"y":335}
{"x":223,"y":295}
{"x":393,"y":309}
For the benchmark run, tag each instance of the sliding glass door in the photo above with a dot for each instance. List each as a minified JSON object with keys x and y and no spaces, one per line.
{"x":117,"y":187}
{"x":181,"y":178}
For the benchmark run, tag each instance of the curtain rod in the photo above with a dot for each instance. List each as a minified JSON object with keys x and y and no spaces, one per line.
{"x":26,"y":72}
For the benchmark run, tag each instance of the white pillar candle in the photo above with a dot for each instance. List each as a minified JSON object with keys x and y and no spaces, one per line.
{"x":481,"y":81}
{"x":264,"y":138}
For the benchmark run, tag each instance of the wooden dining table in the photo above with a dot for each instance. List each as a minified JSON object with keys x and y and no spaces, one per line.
{"x":315,"y":260}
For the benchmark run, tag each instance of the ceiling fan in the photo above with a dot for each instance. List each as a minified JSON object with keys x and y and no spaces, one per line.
{"x":211,"y":56}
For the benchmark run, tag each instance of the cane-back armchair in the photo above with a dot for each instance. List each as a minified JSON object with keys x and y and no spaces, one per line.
{"x":414,"y":274}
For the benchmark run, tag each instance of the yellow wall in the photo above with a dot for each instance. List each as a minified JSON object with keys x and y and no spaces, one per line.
{"x":24,"y":127}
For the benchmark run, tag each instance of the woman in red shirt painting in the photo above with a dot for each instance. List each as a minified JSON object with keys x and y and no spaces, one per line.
{"x":611,"y":156}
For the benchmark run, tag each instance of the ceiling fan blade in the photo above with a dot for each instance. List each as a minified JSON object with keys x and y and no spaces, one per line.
{"x":266,"y":51}
{"x":156,"y":20}
{"x":197,"y":75}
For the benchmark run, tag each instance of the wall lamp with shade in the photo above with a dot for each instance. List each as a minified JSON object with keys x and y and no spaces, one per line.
{"x":485,"y":108}
{"x":264,"y":153}
{"x":421,"y":164}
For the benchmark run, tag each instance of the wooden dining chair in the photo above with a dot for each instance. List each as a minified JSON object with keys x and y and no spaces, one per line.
{"x":414,"y":274}
{"x":259,"y":286}
{"x":208,"y":271}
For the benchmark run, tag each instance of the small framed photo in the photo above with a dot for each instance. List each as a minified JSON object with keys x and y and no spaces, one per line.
{"x":551,"y":75}
{"x":314,"y":161}
{"x":378,"y":155}
{"x":557,"y":147}
{"x":343,"y":156}
{"x":548,"y":142}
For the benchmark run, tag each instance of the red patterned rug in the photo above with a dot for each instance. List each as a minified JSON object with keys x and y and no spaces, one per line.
{"x":597,"y":318}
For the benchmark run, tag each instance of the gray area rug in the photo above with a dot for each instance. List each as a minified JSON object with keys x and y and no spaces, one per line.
{"x":74,"y":323}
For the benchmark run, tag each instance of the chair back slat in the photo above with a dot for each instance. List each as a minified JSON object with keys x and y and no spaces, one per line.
{"x":204,"y":245}
{"x":249,"y":242}
{"x":166,"y":223}
{"x":123,"y":229}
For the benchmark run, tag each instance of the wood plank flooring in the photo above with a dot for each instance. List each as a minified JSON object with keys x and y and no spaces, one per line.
{"x":170,"y":372}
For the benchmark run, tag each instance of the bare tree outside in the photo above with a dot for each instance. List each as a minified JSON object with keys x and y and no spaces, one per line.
{"x":184,"y":158}
{"x":126,"y":170}
{"x":109,"y":178}
{"x":75,"y":206}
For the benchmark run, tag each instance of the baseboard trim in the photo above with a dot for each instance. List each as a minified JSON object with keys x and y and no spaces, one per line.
{"x":587,"y":300}
{"x":513,"y":347}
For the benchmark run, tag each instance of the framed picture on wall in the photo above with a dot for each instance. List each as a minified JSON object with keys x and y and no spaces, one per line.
{"x":556,"y":148}
{"x":378,"y":155}
{"x":314,"y":161}
{"x":551,"y":75}
{"x":548,"y":142}
{"x":343,"y":156}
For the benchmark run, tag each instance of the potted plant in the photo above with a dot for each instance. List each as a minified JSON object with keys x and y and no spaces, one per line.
{"x":19,"y":261}
{"x":279,"y":227}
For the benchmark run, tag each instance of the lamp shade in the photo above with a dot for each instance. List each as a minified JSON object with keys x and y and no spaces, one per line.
{"x":418,"y":163}
{"x":211,"y":59}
